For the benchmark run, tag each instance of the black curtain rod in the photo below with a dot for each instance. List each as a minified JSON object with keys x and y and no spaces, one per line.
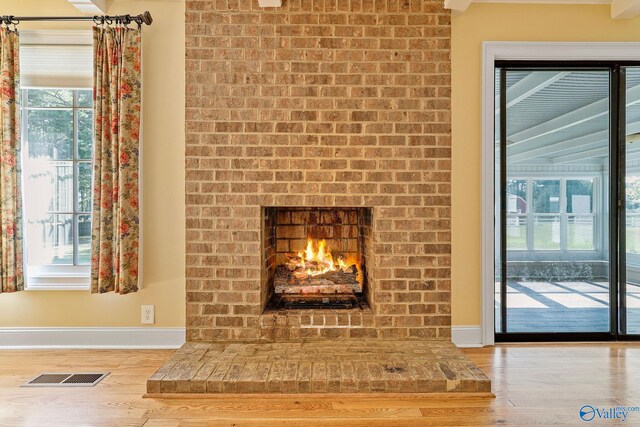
{"x":143,"y":18}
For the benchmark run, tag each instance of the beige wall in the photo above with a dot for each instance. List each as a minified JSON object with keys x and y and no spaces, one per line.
{"x":163,"y":164}
{"x":499,"y":22}
{"x":163,"y":183}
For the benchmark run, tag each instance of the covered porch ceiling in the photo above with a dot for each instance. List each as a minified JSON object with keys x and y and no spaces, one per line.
{"x":558,"y":117}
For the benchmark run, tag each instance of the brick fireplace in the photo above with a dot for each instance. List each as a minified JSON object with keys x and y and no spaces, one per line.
{"x":318,"y":201}
{"x":319,"y":109}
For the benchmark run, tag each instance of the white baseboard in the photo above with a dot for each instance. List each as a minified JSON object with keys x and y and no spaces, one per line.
{"x":466,"y":336}
{"x":91,"y":338}
{"x":142,"y":338}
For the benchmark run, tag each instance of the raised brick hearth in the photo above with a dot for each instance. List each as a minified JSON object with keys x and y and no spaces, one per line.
{"x":362,"y":366}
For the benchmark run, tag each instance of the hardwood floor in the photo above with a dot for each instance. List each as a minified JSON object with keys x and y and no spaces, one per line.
{"x":533,"y":384}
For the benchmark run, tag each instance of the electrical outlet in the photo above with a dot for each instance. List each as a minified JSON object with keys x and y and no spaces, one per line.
{"x":148,"y":315}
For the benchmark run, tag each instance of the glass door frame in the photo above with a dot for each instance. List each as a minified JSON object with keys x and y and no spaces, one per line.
{"x":617,"y":201}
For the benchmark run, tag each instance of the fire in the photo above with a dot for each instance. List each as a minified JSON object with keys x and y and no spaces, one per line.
{"x":316,"y":259}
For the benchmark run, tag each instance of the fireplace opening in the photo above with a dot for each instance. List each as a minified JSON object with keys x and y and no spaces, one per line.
{"x":315,"y":257}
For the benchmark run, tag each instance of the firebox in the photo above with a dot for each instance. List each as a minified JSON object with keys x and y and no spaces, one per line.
{"x":315,"y":257}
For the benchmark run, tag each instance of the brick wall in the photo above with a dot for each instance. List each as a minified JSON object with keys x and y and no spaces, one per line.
{"x":318,"y":103}
{"x":338,"y":227}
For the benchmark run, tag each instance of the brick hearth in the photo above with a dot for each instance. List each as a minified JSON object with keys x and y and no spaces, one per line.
{"x":319,"y":367}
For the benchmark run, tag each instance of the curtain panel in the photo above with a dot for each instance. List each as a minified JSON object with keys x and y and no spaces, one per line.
{"x":11,"y":262}
{"x":117,"y":103}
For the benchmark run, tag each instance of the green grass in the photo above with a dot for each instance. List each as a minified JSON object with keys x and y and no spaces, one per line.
{"x":633,"y":239}
{"x":517,"y":237}
{"x":579,"y":237}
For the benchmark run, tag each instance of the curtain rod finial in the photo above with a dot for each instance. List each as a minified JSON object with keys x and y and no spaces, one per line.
{"x":146,"y":18}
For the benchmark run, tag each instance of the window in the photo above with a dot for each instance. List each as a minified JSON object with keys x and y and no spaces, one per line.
{"x":546,"y":218}
{"x":57,"y":150}
{"x":56,"y":113}
{"x":580,"y":216}
{"x":517,"y":214}
{"x":632,"y":185}
{"x":551,"y":214}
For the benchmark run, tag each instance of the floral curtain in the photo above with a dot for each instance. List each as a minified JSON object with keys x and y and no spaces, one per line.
{"x":11,"y":268}
{"x":117,"y":92}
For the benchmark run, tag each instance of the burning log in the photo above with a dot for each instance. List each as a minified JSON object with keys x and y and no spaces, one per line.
{"x":331,"y":282}
{"x":315,"y":271}
{"x":293,"y":262}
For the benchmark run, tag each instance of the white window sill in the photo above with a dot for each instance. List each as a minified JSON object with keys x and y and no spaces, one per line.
{"x":58,"y":279}
{"x":60,"y":287}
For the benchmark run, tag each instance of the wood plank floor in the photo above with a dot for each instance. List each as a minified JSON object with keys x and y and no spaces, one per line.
{"x":533,"y":384}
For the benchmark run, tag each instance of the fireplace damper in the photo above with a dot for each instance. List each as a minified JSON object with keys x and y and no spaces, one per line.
{"x":315,"y":257}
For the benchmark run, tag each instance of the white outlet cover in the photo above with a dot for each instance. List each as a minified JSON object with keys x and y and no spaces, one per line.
{"x":148,"y":315}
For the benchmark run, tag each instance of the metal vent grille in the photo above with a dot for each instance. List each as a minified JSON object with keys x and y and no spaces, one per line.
{"x":48,"y":379}
{"x":89,"y":379}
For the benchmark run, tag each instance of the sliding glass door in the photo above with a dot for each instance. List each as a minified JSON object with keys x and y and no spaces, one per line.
{"x":630,"y":243}
{"x":558,"y":154}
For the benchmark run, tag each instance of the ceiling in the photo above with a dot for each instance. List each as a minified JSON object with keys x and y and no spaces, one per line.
{"x":562,"y":116}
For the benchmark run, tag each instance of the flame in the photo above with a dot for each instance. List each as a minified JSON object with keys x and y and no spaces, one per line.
{"x":318,"y":261}
{"x":342,"y":263}
{"x":309,"y":251}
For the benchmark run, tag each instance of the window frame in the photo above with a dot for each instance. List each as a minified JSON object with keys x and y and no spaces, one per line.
{"x":599,"y":197}
{"x":63,"y":276}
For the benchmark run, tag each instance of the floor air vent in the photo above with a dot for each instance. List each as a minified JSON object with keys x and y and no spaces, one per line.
{"x":67,"y":380}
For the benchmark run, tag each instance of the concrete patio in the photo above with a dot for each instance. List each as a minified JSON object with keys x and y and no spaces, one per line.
{"x":580,"y":306}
